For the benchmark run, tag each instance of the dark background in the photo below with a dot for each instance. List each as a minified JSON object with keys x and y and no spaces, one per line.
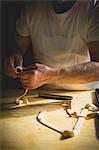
{"x":10,"y":11}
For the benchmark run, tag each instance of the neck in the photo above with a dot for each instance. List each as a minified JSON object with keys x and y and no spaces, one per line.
{"x":61,"y":6}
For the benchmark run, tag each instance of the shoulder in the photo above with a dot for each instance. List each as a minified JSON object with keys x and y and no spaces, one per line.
{"x":34,"y":8}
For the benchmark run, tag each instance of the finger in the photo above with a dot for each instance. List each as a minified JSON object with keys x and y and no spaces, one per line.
{"x":11,"y":75}
{"x":9,"y":68}
{"x":25,"y":81}
{"x":10,"y":64}
{"x":26,"y":74}
{"x":39,"y":65}
{"x":11,"y":72}
{"x":18,"y":61}
{"x":23,"y":76}
{"x":27,"y":86}
{"x":30,"y":86}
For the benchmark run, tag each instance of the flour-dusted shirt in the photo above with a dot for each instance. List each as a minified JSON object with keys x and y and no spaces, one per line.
{"x":60,"y":40}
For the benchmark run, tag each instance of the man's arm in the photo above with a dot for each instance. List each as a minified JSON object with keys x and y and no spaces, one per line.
{"x":16,"y":58}
{"x":81,"y":73}
{"x":86,"y":72}
{"x":21,"y":44}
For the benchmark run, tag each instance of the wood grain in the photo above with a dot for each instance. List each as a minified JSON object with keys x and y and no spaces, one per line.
{"x":20,"y":130}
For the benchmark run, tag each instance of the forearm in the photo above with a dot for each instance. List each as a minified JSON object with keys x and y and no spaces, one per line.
{"x":21,"y":44}
{"x":83,"y":73}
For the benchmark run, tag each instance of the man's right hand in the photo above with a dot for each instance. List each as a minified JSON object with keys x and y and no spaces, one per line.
{"x":11,"y":63}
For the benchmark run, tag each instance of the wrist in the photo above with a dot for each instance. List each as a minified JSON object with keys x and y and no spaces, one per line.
{"x":53,"y":75}
{"x":59,"y":75}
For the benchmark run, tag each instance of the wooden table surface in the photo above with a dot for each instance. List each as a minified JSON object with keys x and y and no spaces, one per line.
{"x":21,"y":131}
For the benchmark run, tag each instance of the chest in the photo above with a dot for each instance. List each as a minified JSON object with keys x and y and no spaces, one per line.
{"x":67,"y":26}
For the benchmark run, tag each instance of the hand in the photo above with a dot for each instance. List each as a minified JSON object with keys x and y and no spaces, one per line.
{"x":10,"y":64}
{"x":35,"y":78}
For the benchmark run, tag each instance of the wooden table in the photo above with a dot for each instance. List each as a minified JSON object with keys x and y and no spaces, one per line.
{"x":21,"y":131}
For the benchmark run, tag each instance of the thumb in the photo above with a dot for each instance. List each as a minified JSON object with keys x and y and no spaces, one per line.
{"x":18,"y":61}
